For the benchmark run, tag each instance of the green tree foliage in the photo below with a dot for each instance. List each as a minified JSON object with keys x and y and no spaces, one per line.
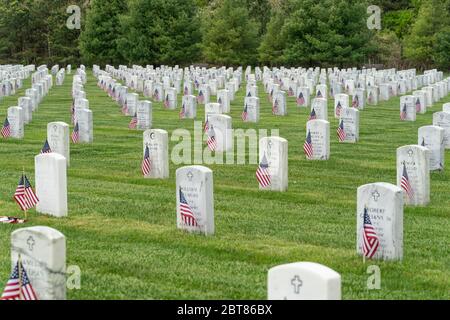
{"x":273,"y":42}
{"x":160,"y":32}
{"x":389,"y":49}
{"x":419,"y":45}
{"x":441,"y":54}
{"x":327,"y":33}
{"x":230,"y":35}
{"x":98,"y":43}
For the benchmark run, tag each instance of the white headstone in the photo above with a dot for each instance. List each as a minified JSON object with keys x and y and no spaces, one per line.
{"x":273,"y":152}
{"x":51,"y":184}
{"x":58,"y":138}
{"x":303,"y":97}
{"x":320,"y":139}
{"x":349,"y":120}
{"x":144,"y":115}
{"x":220,"y":127}
{"x":251,"y":105}
{"x":223,"y":98}
{"x":442,"y":119}
{"x":26,"y":104}
{"x":157,"y":141}
{"x":432,"y":137}
{"x":42,"y":251}
{"x":341,"y":100}
{"x":279,"y":106}
{"x":212,"y":108}
{"x":16,"y":122}
{"x":132,"y":101}
{"x":188,"y":107}
{"x":85,"y":125}
{"x":413,"y":169}
{"x":383,"y":203}
{"x":407,"y":108}
{"x":303,"y":281}
{"x":320,"y":108}
{"x":195,"y":199}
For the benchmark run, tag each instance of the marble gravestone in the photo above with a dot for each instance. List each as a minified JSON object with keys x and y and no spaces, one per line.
{"x":32,"y":94}
{"x":274,"y":150}
{"x":341,"y":100}
{"x":51,"y":184}
{"x":42,"y":251}
{"x":384,"y":92}
{"x":170,"y":98}
{"x":187,"y":88}
{"x":86,"y":125}
{"x":132,"y":101}
{"x":279,"y":106}
{"x":420,"y":101}
{"x":223,"y":98}
{"x":432,"y":137}
{"x":320,"y":107}
{"x":321,"y":91}
{"x":413,"y":165}
{"x":144,"y":115}
{"x":212,"y":108}
{"x":157,"y":141}
{"x":446,"y":107}
{"x":372,"y":96}
{"x":195,"y":199}
{"x":26,"y":104}
{"x":189,"y":103}
{"x":442,"y":119}
{"x":358,"y":99}
{"x":407,"y":108}
{"x":383,"y":203}
{"x":350,"y":120}
{"x":303,"y":97}
{"x":252,"y":106}
{"x":203,"y":96}
{"x":320,"y":138}
{"x":251,"y":91}
{"x":158,"y":93}
{"x":303,"y":281}
{"x":58,"y":139}
{"x":16,"y":122}
{"x":231,"y":90}
{"x":221,"y":126}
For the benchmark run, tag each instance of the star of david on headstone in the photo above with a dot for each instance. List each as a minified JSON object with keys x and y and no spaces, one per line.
{"x":376,"y":195}
{"x":297,"y":283}
{"x":31,"y":243}
{"x":190,"y":175}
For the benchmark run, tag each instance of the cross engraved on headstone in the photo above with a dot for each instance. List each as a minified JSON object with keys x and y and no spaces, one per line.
{"x":410,"y":152}
{"x":375,"y":195}
{"x":30,"y":243}
{"x":297,"y":283}
{"x":190,"y":175}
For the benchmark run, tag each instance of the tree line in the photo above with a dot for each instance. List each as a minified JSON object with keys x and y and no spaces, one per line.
{"x":227,"y":32}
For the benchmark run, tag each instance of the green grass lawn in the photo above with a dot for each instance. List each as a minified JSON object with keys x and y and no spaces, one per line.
{"x":121,"y":229}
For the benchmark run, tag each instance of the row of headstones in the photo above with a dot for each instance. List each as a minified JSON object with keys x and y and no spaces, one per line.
{"x":11,"y":78}
{"x":22,"y":114}
{"x":41,"y":253}
{"x":81,"y":115}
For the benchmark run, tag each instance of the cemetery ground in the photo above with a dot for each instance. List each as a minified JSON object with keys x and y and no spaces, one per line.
{"x":121,"y":228}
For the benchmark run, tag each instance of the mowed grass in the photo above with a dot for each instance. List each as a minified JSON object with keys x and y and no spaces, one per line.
{"x":121,"y":229}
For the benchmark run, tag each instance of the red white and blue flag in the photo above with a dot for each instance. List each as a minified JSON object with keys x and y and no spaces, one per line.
{"x":244,"y":115}
{"x":6,"y":129}
{"x":19,"y":286}
{"x":341,"y":132}
{"x":405,"y":184}
{"x":319,"y":94}
{"x":187,"y":215}
{"x":275,"y":107}
{"x":24,"y":195}
{"x":403,"y":113}
{"x":262,"y":173}
{"x":312,"y":115}
{"x":167,"y":101}
{"x":355,"y":101}
{"x":201,"y":97}
{"x":308,"y":147}
{"x":133,"y":122}
{"x":300,"y":99}
{"x":182,"y":113}
{"x":46,"y":147}
{"x":76,"y":134}
{"x":146,"y":162}
{"x":370,"y":237}
{"x":418,"y":105}
{"x":211,"y":141}
{"x":338,"y":109}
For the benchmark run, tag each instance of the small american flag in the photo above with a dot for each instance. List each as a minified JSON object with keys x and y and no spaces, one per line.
{"x":125,"y":108}
{"x":403,"y":114}
{"x":307,"y":146}
{"x":19,"y":286}
{"x":270,"y":95}
{"x":275,"y":107}
{"x":423,"y":142}
{"x":75,"y":136}
{"x":244,"y":115}
{"x":211,"y":141}
{"x":182,"y":113}
{"x":355,"y":102}
{"x":200,"y":98}
{"x":262,"y":173}
{"x":319,"y":94}
{"x":133,"y":122}
{"x":405,"y":184}
{"x":46,"y":147}
{"x":146,"y":163}
{"x":370,"y":97}
{"x":338,"y":109}
{"x":206,"y":126}
{"x":12,"y":220}
{"x":370,"y":237}
{"x":156,"y":94}
{"x":300,"y":99}
{"x":291,"y":92}
{"x":186,"y":91}
{"x":167,"y":101}
{"x":24,"y":195}
{"x":312,"y":115}
{"x":418,"y":105}
{"x":340,"y":131}
{"x":219,"y":101}
{"x":187,"y":215}
{"x":72,"y":118}
{"x":6,"y":129}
